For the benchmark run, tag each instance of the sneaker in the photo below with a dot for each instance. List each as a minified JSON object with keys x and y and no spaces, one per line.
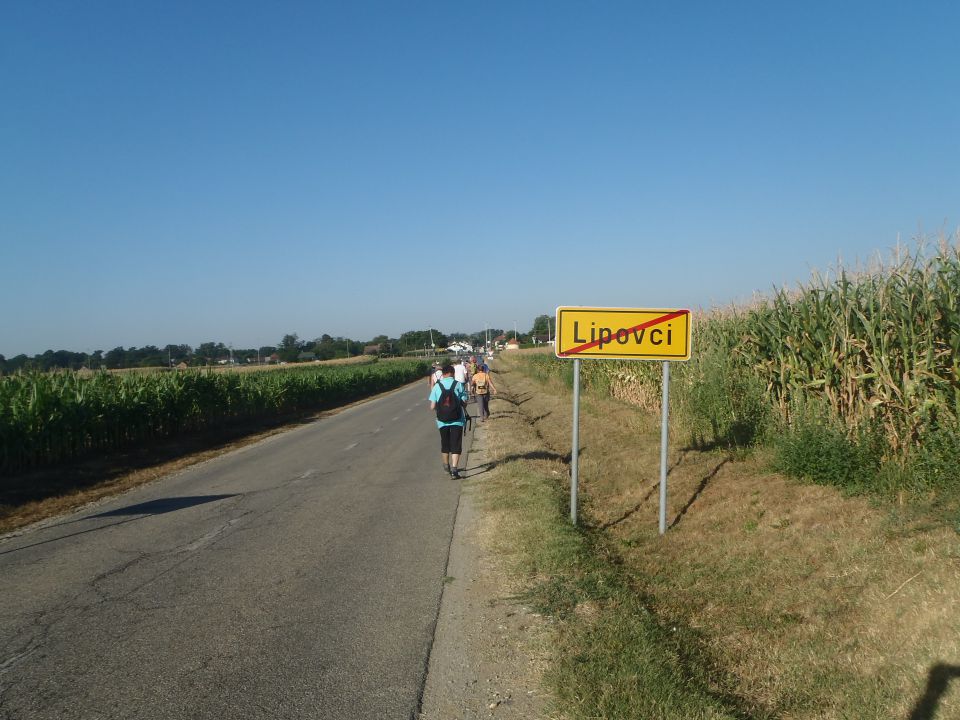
{"x":446,"y":468}
{"x":455,"y":473}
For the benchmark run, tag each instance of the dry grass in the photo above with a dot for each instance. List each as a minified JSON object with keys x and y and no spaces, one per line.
{"x":610,"y":658}
{"x":816,"y":605}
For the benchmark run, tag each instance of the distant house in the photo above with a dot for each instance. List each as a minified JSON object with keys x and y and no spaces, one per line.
{"x":182,"y":365}
{"x":273,"y":358}
{"x":372,"y":349}
{"x":306,"y":357}
{"x":512,"y":344}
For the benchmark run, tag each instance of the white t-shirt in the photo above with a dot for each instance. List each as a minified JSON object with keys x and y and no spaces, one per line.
{"x":437,"y":375}
{"x":460,"y":373}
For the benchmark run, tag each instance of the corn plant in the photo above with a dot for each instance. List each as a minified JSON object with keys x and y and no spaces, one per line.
{"x":56,"y":417}
{"x":879,"y":351}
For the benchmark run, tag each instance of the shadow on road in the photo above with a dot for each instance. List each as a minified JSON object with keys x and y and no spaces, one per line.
{"x":138,"y":512}
{"x":162,"y":505}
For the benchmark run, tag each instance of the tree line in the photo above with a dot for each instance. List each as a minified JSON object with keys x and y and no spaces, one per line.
{"x":290,"y":349}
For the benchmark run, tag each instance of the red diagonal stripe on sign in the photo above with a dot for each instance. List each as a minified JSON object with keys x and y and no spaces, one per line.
{"x":641,"y":326}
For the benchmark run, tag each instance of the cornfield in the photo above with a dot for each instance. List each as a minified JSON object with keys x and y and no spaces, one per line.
{"x":882,"y":347}
{"x":877,"y":350}
{"x":52,"y":418}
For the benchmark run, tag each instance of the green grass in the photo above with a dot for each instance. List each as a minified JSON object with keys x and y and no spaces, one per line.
{"x":614,"y":658}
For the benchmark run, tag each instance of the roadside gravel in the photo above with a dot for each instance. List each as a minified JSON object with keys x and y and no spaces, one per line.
{"x":485,"y":661}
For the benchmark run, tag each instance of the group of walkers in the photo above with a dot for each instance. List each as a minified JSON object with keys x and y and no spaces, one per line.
{"x":451,"y":388}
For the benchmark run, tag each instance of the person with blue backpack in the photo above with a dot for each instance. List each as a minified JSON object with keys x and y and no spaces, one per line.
{"x":449,"y":398}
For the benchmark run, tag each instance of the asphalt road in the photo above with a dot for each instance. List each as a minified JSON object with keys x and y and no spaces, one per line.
{"x":299,"y":577}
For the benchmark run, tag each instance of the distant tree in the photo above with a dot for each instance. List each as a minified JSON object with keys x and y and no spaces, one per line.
{"x":58,"y":360}
{"x":149,"y":356}
{"x":209,"y":352}
{"x":244,"y":355}
{"x":113,"y":359}
{"x":388,"y":346}
{"x":324,"y":349}
{"x":479,"y":337}
{"x":420,"y":339}
{"x":176,"y":354}
{"x":18,"y":362}
{"x":329,"y":348}
{"x":542,"y":324}
{"x":290,"y":348}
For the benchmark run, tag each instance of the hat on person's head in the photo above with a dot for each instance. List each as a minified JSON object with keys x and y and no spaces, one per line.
{"x":484,"y":367}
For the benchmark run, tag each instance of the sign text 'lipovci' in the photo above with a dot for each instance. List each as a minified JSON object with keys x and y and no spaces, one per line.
{"x":626,"y":333}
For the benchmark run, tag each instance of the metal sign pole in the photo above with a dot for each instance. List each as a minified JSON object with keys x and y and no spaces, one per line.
{"x":575,"y":457}
{"x":663,"y":446}
{"x":623,"y":334}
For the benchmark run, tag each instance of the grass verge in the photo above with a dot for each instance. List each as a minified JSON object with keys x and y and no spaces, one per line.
{"x":614,"y":657}
{"x":768,"y":598}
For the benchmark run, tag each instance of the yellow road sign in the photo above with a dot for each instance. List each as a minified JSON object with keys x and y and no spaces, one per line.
{"x":625,"y":333}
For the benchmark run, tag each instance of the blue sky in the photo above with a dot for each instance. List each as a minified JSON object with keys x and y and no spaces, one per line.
{"x":179,"y":172}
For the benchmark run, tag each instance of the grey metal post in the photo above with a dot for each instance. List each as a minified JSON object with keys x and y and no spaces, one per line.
{"x":575,"y":457}
{"x":663,"y":446}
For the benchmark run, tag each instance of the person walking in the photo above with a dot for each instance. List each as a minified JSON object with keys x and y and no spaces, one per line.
{"x":448,"y":398}
{"x":434,"y":377}
{"x":460,"y":372}
{"x":483,"y":387}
